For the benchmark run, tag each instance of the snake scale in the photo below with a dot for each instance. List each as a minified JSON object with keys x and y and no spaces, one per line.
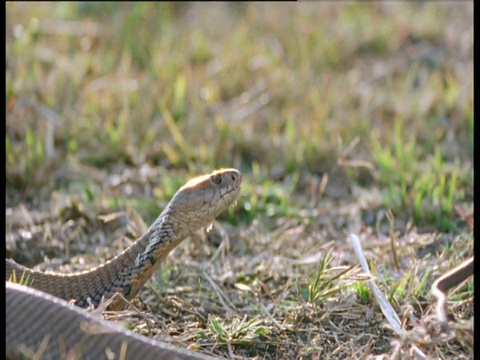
{"x":39,"y":319}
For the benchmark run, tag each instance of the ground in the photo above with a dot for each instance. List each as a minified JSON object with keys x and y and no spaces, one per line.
{"x":347,"y":118}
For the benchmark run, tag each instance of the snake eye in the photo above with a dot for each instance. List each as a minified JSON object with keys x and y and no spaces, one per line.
{"x":217,"y":179}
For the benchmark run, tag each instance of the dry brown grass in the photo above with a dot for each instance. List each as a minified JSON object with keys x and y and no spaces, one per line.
{"x":246,"y":292}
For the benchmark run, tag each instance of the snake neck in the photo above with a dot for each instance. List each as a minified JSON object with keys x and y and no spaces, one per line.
{"x":162,"y":237}
{"x":150,"y":250}
{"x":126,"y":273}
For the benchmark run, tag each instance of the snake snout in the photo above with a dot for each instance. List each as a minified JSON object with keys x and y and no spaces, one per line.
{"x":236,"y":177}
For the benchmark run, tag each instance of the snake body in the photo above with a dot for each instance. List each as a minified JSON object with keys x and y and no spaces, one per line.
{"x":53,"y":329}
{"x":195,"y":205}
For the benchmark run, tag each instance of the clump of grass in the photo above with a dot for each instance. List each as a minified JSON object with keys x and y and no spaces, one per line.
{"x":26,"y":161}
{"x":426,"y":189}
{"x":410,"y":286}
{"x":325,"y":285}
{"x":238,"y":331}
{"x":362,"y":290}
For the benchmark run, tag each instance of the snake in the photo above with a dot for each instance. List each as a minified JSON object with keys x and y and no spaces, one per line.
{"x":40,"y":319}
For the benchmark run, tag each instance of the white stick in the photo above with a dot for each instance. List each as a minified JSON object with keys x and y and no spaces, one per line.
{"x":387,"y":309}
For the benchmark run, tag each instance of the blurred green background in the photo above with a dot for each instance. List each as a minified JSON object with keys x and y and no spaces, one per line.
{"x":322,"y":96}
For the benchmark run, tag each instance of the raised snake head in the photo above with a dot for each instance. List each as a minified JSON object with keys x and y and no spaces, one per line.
{"x":203,"y":198}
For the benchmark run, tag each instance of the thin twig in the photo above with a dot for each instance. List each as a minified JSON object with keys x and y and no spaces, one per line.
{"x":393,"y":238}
{"x":222,"y":297}
{"x":448,"y":281}
{"x":107,"y":302}
{"x":224,"y":244}
{"x":270,"y":316}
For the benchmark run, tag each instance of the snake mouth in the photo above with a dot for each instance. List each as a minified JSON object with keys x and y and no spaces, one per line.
{"x":230,"y":191}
